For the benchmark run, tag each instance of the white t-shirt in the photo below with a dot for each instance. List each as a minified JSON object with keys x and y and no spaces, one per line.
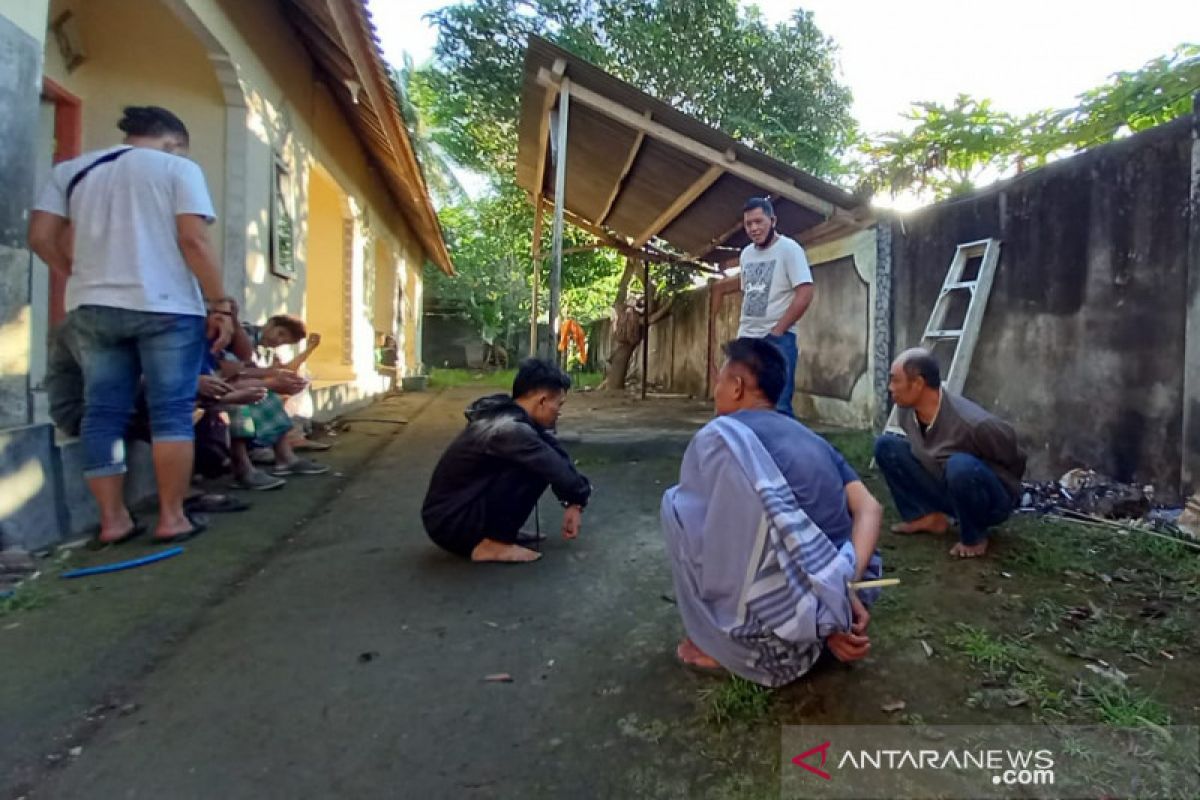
{"x":126,"y":241}
{"x":769,"y":278}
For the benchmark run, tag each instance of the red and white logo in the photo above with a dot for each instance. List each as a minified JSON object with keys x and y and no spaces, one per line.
{"x":823,"y":750}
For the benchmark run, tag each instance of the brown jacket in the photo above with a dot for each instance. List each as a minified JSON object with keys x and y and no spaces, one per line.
{"x":963,"y":427}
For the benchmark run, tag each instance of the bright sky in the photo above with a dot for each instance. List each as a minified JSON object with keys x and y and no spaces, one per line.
{"x":1023,"y":54}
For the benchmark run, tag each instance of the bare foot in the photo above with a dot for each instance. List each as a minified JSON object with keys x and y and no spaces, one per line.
{"x":969,"y":550}
{"x":489,"y":550}
{"x":937,"y":522}
{"x":116,"y":529}
{"x":693,"y":656}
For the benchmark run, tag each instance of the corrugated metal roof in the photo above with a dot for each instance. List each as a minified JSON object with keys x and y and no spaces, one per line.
{"x":669,"y":161}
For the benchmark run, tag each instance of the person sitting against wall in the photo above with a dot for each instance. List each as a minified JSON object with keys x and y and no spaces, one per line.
{"x":488,"y":481}
{"x":765,"y":531}
{"x":259,"y":348}
{"x":265,"y":423}
{"x":955,"y":460}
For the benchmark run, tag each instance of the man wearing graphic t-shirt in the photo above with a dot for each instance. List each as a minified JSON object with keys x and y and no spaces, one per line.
{"x":777,"y":288}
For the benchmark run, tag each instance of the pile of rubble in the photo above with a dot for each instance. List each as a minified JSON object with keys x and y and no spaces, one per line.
{"x":1088,"y":495}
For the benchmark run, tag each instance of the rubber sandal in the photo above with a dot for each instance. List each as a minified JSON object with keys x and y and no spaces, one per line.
{"x":214,"y":504}
{"x":198,"y":528}
{"x":137,"y":530}
{"x":525,"y":538}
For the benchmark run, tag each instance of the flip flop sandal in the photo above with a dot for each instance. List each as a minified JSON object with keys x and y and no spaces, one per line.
{"x":137,"y":530}
{"x":526,"y":539}
{"x":198,"y":528}
{"x":215,"y":504}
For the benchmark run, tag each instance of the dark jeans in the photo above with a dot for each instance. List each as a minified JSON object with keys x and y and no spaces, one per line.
{"x":498,"y":514}
{"x":787,"y":344}
{"x":970,"y":491}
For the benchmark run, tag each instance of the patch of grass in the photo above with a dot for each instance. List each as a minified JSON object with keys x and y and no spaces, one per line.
{"x":1126,"y":707}
{"x":1045,"y":697}
{"x":736,"y":700}
{"x":1042,"y":546}
{"x":27,"y":597}
{"x":998,"y":655}
{"x":500,"y":380}
{"x":857,"y":447}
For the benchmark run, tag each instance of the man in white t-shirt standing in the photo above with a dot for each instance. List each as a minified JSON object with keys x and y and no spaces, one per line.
{"x":129,"y":227}
{"x":777,"y":288}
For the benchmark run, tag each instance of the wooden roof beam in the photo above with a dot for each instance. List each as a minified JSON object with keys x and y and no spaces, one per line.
{"x":620,"y":183}
{"x":607,"y":239}
{"x":681,"y":204}
{"x":633,"y":119}
{"x":543,"y":134}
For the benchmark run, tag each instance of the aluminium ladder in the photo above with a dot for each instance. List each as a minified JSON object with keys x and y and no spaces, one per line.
{"x":966,"y":336}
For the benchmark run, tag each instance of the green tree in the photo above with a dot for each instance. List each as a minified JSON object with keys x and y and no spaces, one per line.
{"x":491,"y":240}
{"x":951,"y":147}
{"x":772,"y":87}
{"x":1160,"y":91}
{"x":438,"y":169}
{"x":947,"y":150}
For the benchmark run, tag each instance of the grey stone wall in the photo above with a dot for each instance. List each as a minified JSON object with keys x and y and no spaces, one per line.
{"x":1082,"y":346}
{"x":20,"y":89}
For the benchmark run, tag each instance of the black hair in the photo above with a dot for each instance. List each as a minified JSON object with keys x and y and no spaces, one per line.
{"x":763,"y":360}
{"x":152,"y":121}
{"x":760,"y":202}
{"x":924,"y":366}
{"x":292,"y":324}
{"x":535,"y":374}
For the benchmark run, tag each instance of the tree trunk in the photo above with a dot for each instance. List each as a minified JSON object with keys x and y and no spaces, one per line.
{"x":618,"y":368}
{"x":627,"y":335}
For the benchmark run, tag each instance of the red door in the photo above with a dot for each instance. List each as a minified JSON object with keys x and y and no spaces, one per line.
{"x":68,"y":143}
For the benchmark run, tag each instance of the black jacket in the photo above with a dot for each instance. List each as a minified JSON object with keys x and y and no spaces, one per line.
{"x":499,"y":436}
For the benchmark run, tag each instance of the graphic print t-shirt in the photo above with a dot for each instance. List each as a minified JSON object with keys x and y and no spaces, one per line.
{"x":769,"y":279}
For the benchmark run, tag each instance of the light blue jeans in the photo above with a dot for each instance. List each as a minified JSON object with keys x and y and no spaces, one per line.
{"x":119,"y":347}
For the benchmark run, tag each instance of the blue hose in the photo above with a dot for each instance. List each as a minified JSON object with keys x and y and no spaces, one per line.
{"x":120,"y":565}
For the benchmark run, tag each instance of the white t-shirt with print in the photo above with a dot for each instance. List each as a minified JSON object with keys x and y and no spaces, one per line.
{"x":126,"y":240}
{"x":769,"y":279}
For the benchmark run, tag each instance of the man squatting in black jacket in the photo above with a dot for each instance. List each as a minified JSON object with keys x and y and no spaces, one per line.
{"x":488,"y":481}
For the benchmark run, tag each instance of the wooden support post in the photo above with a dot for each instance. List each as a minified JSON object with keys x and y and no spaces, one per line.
{"x":559,"y":123}
{"x":645,"y":324}
{"x":537,"y":275}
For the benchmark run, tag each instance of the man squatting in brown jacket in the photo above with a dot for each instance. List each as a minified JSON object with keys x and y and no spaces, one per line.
{"x":955,"y":460}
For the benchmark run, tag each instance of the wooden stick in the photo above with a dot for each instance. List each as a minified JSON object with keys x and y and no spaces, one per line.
{"x":876,"y":584}
{"x":1099,"y":522}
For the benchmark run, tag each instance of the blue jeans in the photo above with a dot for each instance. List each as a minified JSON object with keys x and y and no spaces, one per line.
{"x":787,"y":345}
{"x":118,"y":347}
{"x":970,"y":491}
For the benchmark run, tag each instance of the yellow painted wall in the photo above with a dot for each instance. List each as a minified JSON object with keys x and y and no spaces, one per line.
{"x":139,"y":53}
{"x":28,"y":15}
{"x":383,"y":317}
{"x":324,"y":308}
{"x":291,"y":110}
